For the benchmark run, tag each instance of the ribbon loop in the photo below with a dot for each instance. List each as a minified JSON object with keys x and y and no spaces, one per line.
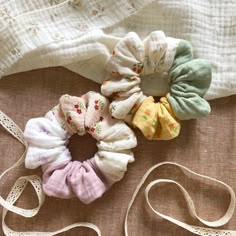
{"x":20,"y":185}
{"x":194,"y":229}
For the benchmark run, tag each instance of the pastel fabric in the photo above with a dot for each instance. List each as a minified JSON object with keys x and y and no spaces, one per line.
{"x":131,"y":58}
{"x":48,"y":136}
{"x":157,"y":120}
{"x":189,"y":81}
{"x":81,"y":35}
{"x":188,"y":78}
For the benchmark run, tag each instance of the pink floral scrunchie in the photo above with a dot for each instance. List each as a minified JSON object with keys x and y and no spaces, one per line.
{"x":48,"y":136}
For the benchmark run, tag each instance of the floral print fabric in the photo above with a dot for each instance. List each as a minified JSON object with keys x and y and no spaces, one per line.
{"x":48,"y":136}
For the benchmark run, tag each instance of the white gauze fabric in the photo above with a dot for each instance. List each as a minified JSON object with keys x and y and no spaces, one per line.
{"x":80,"y":34}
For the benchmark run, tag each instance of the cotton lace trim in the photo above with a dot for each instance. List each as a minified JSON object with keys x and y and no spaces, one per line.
{"x":35,"y":181}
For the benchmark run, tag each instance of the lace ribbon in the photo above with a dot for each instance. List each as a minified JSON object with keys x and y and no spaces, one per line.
{"x":194,"y":229}
{"x":35,"y":181}
{"x":19,"y":186}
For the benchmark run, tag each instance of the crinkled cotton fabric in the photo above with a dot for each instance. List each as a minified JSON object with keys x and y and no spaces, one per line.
{"x":131,"y":58}
{"x":157,"y":120}
{"x":48,"y":136}
{"x":80,"y":35}
{"x":188,"y":78}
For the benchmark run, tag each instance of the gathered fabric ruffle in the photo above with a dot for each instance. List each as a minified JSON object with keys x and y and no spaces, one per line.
{"x":48,"y":136}
{"x":188,"y":79}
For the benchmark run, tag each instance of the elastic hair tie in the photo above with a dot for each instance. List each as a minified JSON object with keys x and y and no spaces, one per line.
{"x":172,"y":60}
{"x":48,"y":136}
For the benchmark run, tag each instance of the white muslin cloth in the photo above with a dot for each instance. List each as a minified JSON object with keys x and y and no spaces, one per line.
{"x":80,"y":35}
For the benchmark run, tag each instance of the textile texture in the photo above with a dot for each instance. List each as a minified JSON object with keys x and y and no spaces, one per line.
{"x":81,"y":35}
{"x":205,"y":145}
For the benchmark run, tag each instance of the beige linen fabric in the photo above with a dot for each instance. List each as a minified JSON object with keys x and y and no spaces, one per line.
{"x":206,"y":146}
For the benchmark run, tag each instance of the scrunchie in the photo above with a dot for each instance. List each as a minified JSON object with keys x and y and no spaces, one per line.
{"x":48,"y":136}
{"x":172,"y":59}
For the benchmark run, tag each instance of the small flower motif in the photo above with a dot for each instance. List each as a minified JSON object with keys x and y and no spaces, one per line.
{"x":105,"y":82}
{"x":112,"y":108}
{"x":99,"y":104}
{"x":173,"y":127}
{"x":98,"y":128}
{"x":67,"y":96}
{"x":87,"y":128}
{"x":144,"y":117}
{"x":33,"y":29}
{"x":44,"y":130}
{"x":175,"y":130}
{"x":139,"y":71}
{"x":147,"y":112}
{"x":95,"y":12}
{"x":81,"y":27}
{"x":92,"y":129}
{"x":5,"y":12}
{"x":63,"y":125}
{"x":57,"y":36}
{"x":98,"y":10}
{"x":138,"y":68}
{"x":80,"y":107}
{"x":101,"y":118}
{"x":75,"y":3}
{"x":155,"y":122}
{"x":41,"y":159}
{"x":69,"y":119}
{"x":131,"y":78}
{"x":133,"y":109}
{"x":16,"y":52}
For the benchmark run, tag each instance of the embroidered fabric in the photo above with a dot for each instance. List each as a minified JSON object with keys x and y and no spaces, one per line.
{"x":19,"y":186}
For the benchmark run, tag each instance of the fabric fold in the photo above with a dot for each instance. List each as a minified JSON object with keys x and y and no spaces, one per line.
{"x":188,"y":80}
{"x":157,"y":120}
{"x":48,"y":136}
{"x":74,"y":179}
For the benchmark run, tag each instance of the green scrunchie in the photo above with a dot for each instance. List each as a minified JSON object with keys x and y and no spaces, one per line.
{"x":189,"y":80}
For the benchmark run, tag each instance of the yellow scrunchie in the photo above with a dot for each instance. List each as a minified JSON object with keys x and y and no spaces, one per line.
{"x":156,"y":120}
